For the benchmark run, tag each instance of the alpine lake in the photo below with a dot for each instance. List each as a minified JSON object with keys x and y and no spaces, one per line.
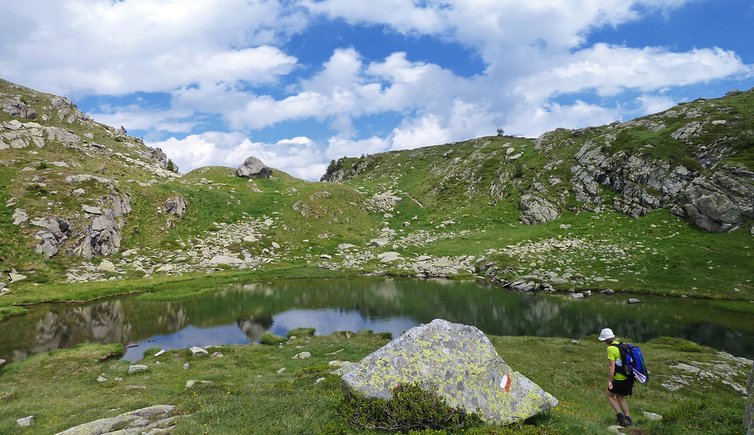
{"x":241,"y":313}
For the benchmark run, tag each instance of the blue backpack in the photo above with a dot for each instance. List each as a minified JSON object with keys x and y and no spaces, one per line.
{"x":633,"y":362}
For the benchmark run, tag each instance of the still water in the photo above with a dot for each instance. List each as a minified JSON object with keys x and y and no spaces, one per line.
{"x":241,"y":313}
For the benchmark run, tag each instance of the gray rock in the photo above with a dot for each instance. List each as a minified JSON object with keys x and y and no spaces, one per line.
{"x":91,"y":209}
{"x":101,"y":379}
{"x":25,"y":421}
{"x":218,"y":260}
{"x":198,"y":351}
{"x":652,"y":416}
{"x":192,"y":382}
{"x":718,"y":203}
{"x":389,"y":257}
{"x":137,"y":368}
{"x":2,"y":362}
{"x":607,"y":291}
{"x":151,"y":420}
{"x":749,"y":417}
{"x":3,"y":285}
{"x":537,"y":210}
{"x":252,"y":167}
{"x":20,"y":216}
{"x":15,"y":276}
{"x":302,"y":355}
{"x":176,"y":206}
{"x":633,"y":301}
{"x":456,"y":361}
{"x":380,"y":243}
{"x":106,"y":266}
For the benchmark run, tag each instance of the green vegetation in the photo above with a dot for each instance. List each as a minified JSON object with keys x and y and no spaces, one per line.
{"x":248,"y":395}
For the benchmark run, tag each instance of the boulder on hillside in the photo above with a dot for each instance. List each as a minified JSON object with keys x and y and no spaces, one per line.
{"x":537,"y":210}
{"x":176,"y":205}
{"x":253,"y":168}
{"x":456,"y":361}
{"x":718,"y":203}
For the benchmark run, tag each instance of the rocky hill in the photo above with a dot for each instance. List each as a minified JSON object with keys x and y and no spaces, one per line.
{"x":618,"y":206}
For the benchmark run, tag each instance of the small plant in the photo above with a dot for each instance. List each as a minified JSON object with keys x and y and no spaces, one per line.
{"x":37,"y":188}
{"x":411,"y":408}
{"x":43,"y":165}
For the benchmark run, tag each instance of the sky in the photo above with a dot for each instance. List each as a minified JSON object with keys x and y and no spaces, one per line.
{"x":297,"y":83}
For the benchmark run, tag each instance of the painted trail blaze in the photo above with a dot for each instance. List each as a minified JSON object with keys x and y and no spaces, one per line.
{"x":505,"y":383}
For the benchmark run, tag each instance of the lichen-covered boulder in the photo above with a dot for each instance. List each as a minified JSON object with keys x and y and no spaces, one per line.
{"x":253,"y":168}
{"x":456,"y":361}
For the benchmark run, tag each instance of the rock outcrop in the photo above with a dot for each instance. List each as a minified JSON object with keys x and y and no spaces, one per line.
{"x":153,"y":419}
{"x":53,"y":233}
{"x":456,"y":361}
{"x":103,"y":236}
{"x":252,"y":167}
{"x":176,"y":206}
{"x":537,"y":210}
{"x":720,"y":202}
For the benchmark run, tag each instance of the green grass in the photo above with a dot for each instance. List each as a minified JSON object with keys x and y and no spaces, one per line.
{"x":249,"y":396}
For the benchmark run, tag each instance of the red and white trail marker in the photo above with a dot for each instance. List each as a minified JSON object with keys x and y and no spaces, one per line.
{"x":505,"y":383}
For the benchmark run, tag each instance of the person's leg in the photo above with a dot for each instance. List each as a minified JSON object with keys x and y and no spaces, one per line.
{"x":613,"y":400}
{"x":623,"y":404}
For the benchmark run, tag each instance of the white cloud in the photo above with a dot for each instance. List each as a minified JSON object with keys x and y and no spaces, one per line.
{"x":117,"y":47}
{"x":540,"y":118}
{"x":654,"y":103}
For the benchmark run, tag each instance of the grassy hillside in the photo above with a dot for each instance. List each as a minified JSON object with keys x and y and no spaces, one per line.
{"x":447,"y":210}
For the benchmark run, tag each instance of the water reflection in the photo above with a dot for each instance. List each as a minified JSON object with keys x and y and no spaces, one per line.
{"x":242,"y":313}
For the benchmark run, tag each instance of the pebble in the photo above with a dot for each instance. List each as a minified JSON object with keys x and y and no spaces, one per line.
{"x":652,"y":416}
{"x":186,"y":366}
{"x":198,"y":351}
{"x":101,"y":379}
{"x":281,"y":370}
{"x":633,"y":301}
{"x":160,"y":352}
{"x":217,"y":354}
{"x":319,"y":380}
{"x":191,"y":382}
{"x":302,"y":355}
{"x":137,"y":368}
{"x":25,"y":421}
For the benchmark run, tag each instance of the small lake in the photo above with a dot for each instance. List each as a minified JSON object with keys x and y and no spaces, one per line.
{"x":240,"y":313}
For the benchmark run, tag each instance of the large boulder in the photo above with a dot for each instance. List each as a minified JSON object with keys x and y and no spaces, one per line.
{"x":456,"y":361}
{"x":253,"y":168}
{"x":718,"y":203}
{"x":176,"y":205}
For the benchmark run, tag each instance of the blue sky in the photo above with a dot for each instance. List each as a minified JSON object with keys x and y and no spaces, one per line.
{"x":300,"y":82}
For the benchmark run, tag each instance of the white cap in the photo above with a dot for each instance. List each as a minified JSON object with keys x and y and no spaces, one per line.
{"x":606,"y":334}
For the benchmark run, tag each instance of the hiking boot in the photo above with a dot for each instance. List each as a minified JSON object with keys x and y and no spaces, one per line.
{"x":628,"y":420}
{"x":621,"y":419}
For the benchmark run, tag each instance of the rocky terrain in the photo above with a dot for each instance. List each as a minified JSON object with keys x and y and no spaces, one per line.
{"x":610,"y":207}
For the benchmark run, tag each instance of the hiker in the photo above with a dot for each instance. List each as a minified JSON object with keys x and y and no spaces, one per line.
{"x":619,"y":385}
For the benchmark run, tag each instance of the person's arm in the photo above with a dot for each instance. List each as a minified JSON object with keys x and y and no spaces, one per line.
{"x":610,"y":373}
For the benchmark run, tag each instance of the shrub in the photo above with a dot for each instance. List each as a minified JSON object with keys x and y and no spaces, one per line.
{"x":411,"y":408}
{"x":271,"y":339}
{"x":300,"y":332}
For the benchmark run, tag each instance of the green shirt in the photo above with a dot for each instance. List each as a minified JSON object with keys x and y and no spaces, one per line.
{"x":613,"y":354}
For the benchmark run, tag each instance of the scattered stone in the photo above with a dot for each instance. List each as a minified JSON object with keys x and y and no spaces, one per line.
{"x":615,"y":429}
{"x":319,"y":380}
{"x":137,"y":368}
{"x":250,"y":239}
{"x":252,"y":167}
{"x":20,"y":216}
{"x":275,"y":245}
{"x":162,"y":351}
{"x":151,"y":420}
{"x":101,"y":379}
{"x":227,"y":260}
{"x":106,"y":266}
{"x":186,"y":366}
{"x":2,"y":362}
{"x":91,"y":209}
{"x":25,"y":421}
{"x":577,"y":295}
{"x":302,"y":355}
{"x":633,"y":301}
{"x":325,"y":257}
{"x":607,"y":291}
{"x":460,"y":363}
{"x":347,"y":246}
{"x":79,"y":191}
{"x":281,"y":370}
{"x":15,"y":276}
{"x":191,"y":382}
{"x":389,"y":257}
{"x":380,"y":243}
{"x":537,"y":210}
{"x":217,"y":354}
{"x":198,"y":351}
{"x":652,"y":416}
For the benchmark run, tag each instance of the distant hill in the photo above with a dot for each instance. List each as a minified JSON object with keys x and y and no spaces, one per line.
{"x":619,"y":206}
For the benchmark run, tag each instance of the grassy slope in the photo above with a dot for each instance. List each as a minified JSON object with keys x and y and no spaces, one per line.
{"x":249,"y":396}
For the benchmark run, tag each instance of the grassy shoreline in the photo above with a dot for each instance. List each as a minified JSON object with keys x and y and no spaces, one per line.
{"x":248,"y":394}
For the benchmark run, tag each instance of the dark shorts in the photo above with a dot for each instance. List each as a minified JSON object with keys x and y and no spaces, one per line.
{"x":624,"y":387}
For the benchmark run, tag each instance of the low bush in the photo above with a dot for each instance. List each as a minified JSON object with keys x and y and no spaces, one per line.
{"x":271,"y":339}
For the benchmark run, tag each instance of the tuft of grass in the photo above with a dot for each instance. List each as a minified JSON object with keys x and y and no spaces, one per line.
{"x":271,"y":339}
{"x":300,"y":332}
